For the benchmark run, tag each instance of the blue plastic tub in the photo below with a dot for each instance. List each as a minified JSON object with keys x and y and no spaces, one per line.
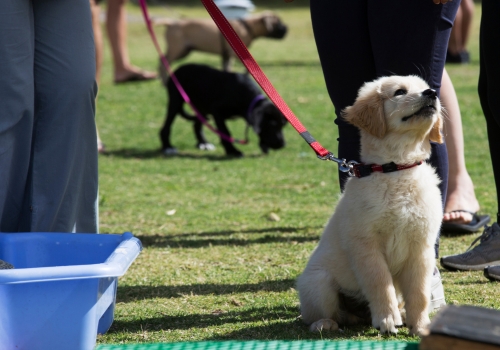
{"x":62,"y":292}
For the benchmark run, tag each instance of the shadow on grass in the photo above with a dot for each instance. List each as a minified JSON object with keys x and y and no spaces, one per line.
{"x":251,"y":230}
{"x":472,"y":282}
{"x":280,"y":323}
{"x":215,"y":318}
{"x":297,"y":330}
{"x":456,"y":235}
{"x":131,"y":293}
{"x":167,"y":241}
{"x":156,"y":153}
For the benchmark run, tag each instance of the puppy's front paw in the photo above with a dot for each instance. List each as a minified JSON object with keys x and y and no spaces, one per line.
{"x":420,"y":332}
{"x":325,"y":324}
{"x":420,"y":327}
{"x":387,"y":324}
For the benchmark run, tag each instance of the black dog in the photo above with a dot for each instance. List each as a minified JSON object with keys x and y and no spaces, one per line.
{"x":223,"y":95}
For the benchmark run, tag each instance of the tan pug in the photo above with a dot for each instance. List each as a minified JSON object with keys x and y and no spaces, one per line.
{"x":185,"y":35}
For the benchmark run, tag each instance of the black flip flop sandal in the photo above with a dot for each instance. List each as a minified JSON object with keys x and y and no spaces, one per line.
{"x":478,"y":222}
{"x":136,"y":77}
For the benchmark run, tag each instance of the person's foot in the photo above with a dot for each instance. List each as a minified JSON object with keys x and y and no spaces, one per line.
{"x":476,"y":224}
{"x":134,"y":74}
{"x":492,"y":273}
{"x":458,"y":216}
{"x":461,"y":201}
{"x":486,"y":253}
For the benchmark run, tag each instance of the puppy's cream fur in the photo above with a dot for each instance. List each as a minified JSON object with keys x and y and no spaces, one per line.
{"x":379,"y":244}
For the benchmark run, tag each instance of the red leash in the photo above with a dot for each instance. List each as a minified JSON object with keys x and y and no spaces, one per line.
{"x":183,"y":93}
{"x":246,"y":58}
{"x":253,"y":68}
{"x":352,"y":167}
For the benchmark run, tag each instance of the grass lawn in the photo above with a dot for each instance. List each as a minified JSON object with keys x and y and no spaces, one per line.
{"x":215,"y":265}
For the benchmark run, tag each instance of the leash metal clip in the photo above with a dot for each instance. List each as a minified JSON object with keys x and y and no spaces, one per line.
{"x":344,"y":165}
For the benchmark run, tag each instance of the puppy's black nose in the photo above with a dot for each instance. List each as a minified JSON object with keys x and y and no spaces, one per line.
{"x":430,"y":93}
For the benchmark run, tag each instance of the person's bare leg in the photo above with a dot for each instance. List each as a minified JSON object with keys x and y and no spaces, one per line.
{"x":455,"y":43}
{"x":460,"y":186}
{"x":96,"y":26}
{"x":467,"y":9}
{"x":116,"y":25}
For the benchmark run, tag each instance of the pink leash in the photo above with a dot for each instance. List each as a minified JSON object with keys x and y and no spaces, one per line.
{"x":246,"y":58}
{"x":183,"y":93}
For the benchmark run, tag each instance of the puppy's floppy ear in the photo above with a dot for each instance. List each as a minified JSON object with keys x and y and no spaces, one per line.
{"x":435,"y":133}
{"x":367,"y":113}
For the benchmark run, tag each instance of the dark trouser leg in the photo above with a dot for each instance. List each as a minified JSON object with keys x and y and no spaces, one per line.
{"x":361,"y":40}
{"x":489,"y":76}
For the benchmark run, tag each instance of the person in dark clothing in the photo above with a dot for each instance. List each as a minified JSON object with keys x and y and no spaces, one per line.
{"x":359,"y":41}
{"x":486,"y":255}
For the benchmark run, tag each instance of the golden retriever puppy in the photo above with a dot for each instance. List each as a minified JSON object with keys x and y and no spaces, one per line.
{"x":378,"y":247}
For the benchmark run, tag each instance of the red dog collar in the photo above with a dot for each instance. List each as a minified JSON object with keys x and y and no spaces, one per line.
{"x":363,"y":170}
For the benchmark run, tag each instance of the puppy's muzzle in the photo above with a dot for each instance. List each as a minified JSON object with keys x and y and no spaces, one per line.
{"x":428,"y":108}
{"x":277,"y":143}
{"x":430,"y":93}
{"x":278,"y":32}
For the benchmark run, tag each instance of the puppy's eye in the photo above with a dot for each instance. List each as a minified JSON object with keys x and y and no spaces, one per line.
{"x":399,"y":92}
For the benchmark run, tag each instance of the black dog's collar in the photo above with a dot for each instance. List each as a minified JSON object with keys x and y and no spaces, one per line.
{"x":363,"y":170}
{"x":252,"y":105}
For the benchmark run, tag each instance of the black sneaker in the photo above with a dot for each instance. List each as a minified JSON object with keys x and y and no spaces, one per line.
{"x":486,"y":253}
{"x":492,"y":273}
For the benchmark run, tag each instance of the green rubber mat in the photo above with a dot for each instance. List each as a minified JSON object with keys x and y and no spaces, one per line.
{"x":268,"y":345}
